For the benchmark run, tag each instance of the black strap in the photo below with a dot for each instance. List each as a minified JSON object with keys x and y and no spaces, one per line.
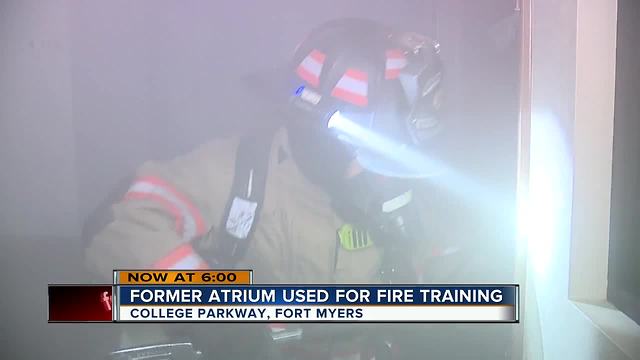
{"x":242,"y":212}
{"x":102,"y":215}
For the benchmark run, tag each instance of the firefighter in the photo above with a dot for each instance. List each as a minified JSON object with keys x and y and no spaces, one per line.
{"x":323,"y":196}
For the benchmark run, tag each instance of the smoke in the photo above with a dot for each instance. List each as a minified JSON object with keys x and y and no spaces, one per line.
{"x":89,"y":90}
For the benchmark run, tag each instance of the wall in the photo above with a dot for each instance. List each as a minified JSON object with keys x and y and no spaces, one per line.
{"x":573,"y":67}
{"x":625,"y":198}
{"x":38,"y":176}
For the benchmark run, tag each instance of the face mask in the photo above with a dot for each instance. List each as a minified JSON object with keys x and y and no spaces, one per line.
{"x":322,"y":158}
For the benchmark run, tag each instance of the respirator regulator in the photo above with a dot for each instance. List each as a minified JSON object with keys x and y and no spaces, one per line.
{"x":382,"y":206}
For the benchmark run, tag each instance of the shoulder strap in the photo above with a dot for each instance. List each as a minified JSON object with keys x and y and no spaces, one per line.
{"x":245,"y":200}
{"x":102,"y":215}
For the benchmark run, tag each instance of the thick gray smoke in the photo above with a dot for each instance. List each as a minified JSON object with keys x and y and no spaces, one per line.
{"x":91,"y":89}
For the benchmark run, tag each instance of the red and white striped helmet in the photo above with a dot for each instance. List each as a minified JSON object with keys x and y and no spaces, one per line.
{"x":378,"y":91}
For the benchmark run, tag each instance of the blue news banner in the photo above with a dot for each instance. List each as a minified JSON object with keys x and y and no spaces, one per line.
{"x":288,"y":303}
